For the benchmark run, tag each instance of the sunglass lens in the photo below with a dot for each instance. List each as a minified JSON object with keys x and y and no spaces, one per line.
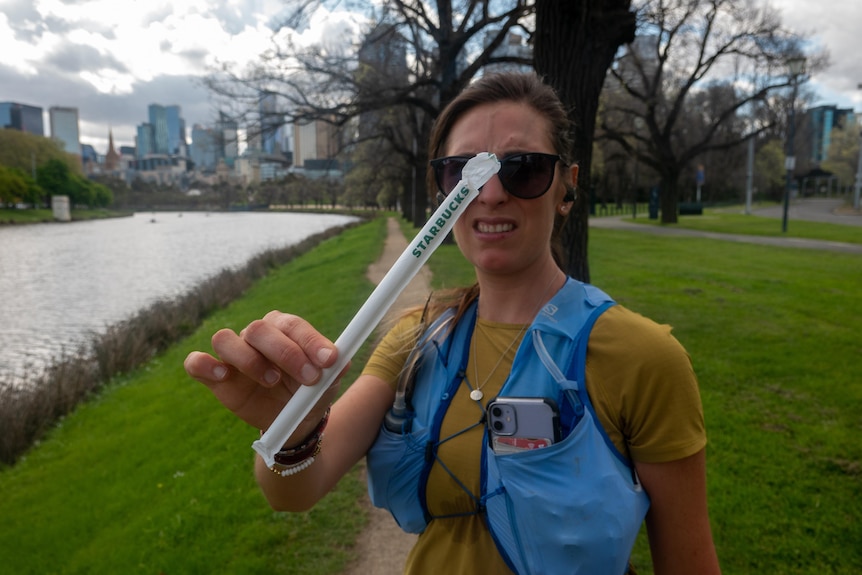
{"x":527,"y":176}
{"x":448,"y":173}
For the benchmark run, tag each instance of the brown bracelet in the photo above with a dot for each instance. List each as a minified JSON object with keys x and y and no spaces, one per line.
{"x":308,"y":448}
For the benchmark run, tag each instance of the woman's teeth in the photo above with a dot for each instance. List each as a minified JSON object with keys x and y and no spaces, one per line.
{"x":494,"y":228}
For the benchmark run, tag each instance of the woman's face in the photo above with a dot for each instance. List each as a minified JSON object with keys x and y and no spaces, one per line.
{"x":499,"y":233}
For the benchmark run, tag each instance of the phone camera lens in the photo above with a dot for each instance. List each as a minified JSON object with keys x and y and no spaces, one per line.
{"x":496,"y":412}
{"x":498,"y":425}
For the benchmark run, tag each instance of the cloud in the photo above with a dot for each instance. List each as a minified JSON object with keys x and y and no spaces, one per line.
{"x":70,"y":58}
{"x":835,"y":28}
{"x":111,"y":59}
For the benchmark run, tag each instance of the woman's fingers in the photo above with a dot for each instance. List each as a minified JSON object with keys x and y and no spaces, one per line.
{"x":256,"y":372}
{"x":289,"y":344}
{"x":243,"y":396}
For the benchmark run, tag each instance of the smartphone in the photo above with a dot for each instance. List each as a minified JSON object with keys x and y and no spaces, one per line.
{"x":522,"y":423}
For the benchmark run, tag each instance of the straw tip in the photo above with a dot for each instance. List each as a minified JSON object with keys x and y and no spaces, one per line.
{"x":264,"y":451}
{"x":480,"y":168}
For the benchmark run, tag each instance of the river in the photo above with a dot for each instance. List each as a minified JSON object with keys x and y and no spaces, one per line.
{"x":61,"y":283}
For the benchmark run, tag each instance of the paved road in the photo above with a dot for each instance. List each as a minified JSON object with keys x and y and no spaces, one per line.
{"x":817,"y":210}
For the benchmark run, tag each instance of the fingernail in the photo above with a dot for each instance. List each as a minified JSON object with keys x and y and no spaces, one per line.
{"x":309,"y":373}
{"x":272,"y":376}
{"x":219,"y":372}
{"x":323,"y":354}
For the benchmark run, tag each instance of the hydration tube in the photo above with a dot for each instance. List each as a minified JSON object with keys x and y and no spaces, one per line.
{"x":398,"y":419}
{"x":475,"y":174}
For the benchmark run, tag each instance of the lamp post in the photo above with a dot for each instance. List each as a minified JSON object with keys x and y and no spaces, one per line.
{"x":638,"y":126}
{"x":858,"y":185}
{"x":796,"y":67}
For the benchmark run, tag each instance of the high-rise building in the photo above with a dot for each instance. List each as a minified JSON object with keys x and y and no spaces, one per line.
{"x":145,"y":141}
{"x":820,"y":123}
{"x":89,"y":154}
{"x":64,"y":128}
{"x":271,"y":122}
{"x":513,"y":46}
{"x":304,"y":143}
{"x":383,"y":55}
{"x":228,"y":133}
{"x":315,"y":144}
{"x":639,"y":62}
{"x":22,"y":117}
{"x":159,"y":121}
{"x":204,"y":148}
{"x":176,"y":127}
{"x":164,"y":133}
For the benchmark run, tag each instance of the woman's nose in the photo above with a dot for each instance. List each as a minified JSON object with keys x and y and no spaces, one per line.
{"x":493,"y":191}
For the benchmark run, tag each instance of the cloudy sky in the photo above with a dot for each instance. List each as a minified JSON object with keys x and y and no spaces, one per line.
{"x":112,"y":58}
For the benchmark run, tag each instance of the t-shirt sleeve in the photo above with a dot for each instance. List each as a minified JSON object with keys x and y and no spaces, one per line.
{"x":643,"y":387}
{"x":390,"y":355}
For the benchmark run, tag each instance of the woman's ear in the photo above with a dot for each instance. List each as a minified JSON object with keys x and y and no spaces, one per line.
{"x":571,"y":188}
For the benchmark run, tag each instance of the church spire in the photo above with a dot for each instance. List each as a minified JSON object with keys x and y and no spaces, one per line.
{"x":112,"y":158}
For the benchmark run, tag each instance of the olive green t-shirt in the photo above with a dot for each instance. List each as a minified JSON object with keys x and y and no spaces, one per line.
{"x":639,"y":379}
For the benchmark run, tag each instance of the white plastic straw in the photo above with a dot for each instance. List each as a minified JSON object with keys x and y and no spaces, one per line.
{"x":475,"y":174}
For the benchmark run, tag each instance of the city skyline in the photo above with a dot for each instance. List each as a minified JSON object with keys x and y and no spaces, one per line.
{"x":112,"y":65}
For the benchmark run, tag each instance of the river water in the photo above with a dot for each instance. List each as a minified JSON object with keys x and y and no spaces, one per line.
{"x":61,"y":283}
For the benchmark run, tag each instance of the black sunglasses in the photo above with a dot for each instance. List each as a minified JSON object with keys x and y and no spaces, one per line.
{"x":525,"y":176}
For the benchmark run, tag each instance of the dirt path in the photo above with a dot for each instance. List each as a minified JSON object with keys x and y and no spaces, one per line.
{"x":383,"y":547}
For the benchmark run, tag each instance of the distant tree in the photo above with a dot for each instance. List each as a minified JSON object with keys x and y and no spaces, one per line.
{"x":55,"y":178}
{"x":80,"y":192}
{"x":28,"y":151}
{"x":843,"y":155}
{"x":102,"y":196}
{"x":264,"y":193}
{"x":735,"y":47}
{"x":446,"y":44}
{"x":377,"y":177}
{"x":769,"y":172}
{"x":13,"y":186}
{"x":119,"y":189}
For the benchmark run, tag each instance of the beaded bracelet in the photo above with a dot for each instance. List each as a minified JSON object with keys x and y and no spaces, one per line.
{"x":295,"y":459}
{"x":288,"y":470}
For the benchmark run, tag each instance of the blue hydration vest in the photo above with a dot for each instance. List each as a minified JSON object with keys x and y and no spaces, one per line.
{"x":573,"y":507}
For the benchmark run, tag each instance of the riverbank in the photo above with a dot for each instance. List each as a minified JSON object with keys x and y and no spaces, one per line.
{"x":153,"y":475}
{"x":15,"y":216}
{"x":11,"y":217}
{"x":31,"y":404}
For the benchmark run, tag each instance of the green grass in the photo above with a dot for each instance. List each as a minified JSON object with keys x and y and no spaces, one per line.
{"x":28,"y":216}
{"x":729,"y":221}
{"x":153,"y":476}
{"x":774,"y":338}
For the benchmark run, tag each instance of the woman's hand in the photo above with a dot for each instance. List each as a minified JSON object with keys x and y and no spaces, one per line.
{"x":259,"y":369}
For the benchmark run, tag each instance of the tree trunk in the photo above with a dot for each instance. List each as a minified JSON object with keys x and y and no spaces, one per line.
{"x":574,"y":45}
{"x":669,"y":199}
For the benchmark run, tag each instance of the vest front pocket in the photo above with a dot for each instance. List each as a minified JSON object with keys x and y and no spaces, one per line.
{"x":395,"y":463}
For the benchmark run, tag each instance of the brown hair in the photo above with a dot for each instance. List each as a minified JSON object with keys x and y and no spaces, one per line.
{"x":523,"y":88}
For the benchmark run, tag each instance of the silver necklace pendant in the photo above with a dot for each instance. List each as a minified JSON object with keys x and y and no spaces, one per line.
{"x":476,"y":395}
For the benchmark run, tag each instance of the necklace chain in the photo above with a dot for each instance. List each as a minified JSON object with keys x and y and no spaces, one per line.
{"x":476,"y":393}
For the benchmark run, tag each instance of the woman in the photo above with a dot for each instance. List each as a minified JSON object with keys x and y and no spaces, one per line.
{"x":639,"y":408}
